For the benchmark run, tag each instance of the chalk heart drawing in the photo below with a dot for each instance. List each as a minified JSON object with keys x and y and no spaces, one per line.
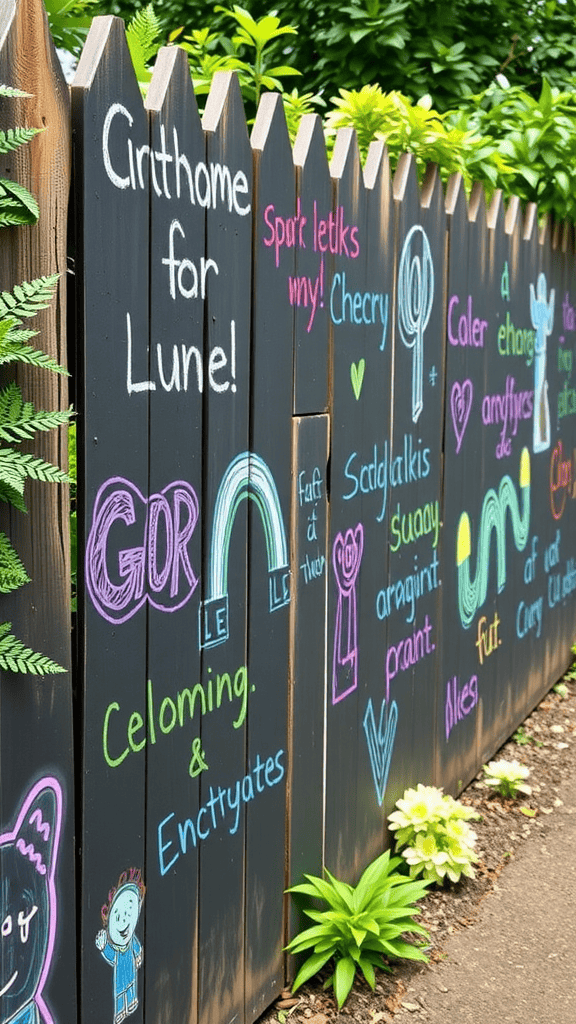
{"x":380,"y":742}
{"x":357,"y":376}
{"x":460,"y":405}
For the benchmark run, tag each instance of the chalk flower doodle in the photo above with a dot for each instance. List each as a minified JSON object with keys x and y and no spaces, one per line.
{"x":346,"y":559}
{"x":472,"y":592}
{"x":28,"y":858}
{"x":118,"y":942}
{"x":415,"y":298}
{"x":542,"y":314}
{"x":381,"y":742}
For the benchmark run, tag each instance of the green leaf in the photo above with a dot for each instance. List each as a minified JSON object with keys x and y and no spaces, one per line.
{"x":309,"y":968}
{"x":12,"y":572}
{"x":16,"y":657}
{"x":29,"y":298}
{"x":343,"y":979}
{"x":12,"y":138}
{"x":368,"y":971}
{"x":18,"y":202}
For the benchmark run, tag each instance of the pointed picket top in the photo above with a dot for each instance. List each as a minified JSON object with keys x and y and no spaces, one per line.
{"x":171,"y":83}
{"x":495,"y":211}
{"x":106,"y":39}
{"x":309,"y":143}
{"x":224,"y":105}
{"x":530,"y":222}
{"x":477,"y":205}
{"x":346,"y":156}
{"x":377,"y":166}
{"x":455,"y":195}
{"x":270,"y":128}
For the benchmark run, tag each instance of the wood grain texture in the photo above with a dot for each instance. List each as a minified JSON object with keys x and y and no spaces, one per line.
{"x":36,"y":712}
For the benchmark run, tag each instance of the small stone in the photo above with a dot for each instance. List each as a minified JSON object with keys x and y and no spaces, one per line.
{"x":286,"y":1004}
{"x":441,"y":988}
{"x":556,"y":728}
{"x":411,"y":1007}
{"x":558,"y":802}
{"x":562,"y":746}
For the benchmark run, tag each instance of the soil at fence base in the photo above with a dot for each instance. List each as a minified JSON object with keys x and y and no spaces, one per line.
{"x":548,"y":748}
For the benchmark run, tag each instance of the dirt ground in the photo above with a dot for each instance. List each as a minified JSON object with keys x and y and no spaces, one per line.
{"x":546,"y":744}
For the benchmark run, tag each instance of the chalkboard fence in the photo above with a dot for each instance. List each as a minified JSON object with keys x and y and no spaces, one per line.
{"x":327,"y":496}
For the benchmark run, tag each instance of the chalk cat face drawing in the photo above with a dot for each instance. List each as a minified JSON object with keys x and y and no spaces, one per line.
{"x":28,"y":856}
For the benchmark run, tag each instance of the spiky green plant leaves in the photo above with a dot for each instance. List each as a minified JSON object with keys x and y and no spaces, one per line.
{"x":360,"y":926}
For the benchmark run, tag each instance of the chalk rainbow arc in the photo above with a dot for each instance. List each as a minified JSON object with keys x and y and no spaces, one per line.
{"x":247,"y":477}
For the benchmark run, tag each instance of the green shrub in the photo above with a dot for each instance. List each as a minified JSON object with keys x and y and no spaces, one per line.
{"x":359,"y":926}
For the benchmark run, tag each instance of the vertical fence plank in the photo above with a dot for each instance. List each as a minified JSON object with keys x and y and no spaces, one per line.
{"x":345,"y":231}
{"x":372,"y":449}
{"x":112,"y":298}
{"x":178,"y":275}
{"x":467,"y":324}
{"x":36,"y":756}
{"x":411,"y":661}
{"x":223,"y":613}
{"x":308,"y":650}
{"x":308,"y":287}
{"x":269,"y":569}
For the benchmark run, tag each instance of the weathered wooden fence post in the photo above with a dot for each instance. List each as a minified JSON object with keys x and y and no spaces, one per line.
{"x":36,"y":765}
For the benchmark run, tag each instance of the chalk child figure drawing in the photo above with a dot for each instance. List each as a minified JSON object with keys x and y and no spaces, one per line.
{"x":28,"y":857}
{"x":118,"y":942}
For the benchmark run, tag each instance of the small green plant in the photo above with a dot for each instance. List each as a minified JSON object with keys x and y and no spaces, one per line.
{"x":561,"y":689}
{"x":20,"y":420}
{"x":521,"y":737}
{"x":506,"y":777}
{"x":359,"y":926}
{"x":433,"y":835}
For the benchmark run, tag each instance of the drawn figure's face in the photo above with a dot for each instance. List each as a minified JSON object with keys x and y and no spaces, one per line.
{"x":123,"y":916}
{"x":23,"y":930}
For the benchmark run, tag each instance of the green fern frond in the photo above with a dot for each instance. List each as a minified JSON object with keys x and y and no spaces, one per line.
{"x":13,"y":493}
{"x":16,"y":465}
{"x":8,"y":90}
{"x":12,"y":572}
{"x":28,"y":298}
{"x":14,"y":350}
{"x":19,"y":420}
{"x":142,"y":38}
{"x":17,"y":204}
{"x":14,"y":137}
{"x":15,"y":657}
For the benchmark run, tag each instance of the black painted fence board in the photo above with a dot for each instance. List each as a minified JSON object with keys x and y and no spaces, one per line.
{"x":223,"y":613}
{"x":178,"y":276}
{"x":309,"y":556}
{"x":113,"y":307}
{"x":269,"y":554}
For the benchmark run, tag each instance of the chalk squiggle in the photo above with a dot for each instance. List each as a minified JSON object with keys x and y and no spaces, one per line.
{"x":472,"y":592}
{"x":42,"y":827}
{"x":33,"y":856}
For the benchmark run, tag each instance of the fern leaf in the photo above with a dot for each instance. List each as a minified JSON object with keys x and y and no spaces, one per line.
{"x":13,"y":493}
{"x":19,"y":420}
{"x":29,"y":298}
{"x":14,"y":137}
{"x":15,"y":465}
{"x":8,"y":90}
{"x":14,"y":350}
{"x":142,"y":38}
{"x":15,"y":657}
{"x":17,"y":201}
{"x":12,"y":572}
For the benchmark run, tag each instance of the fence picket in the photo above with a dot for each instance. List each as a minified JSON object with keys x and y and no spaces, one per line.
{"x":113,"y":302}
